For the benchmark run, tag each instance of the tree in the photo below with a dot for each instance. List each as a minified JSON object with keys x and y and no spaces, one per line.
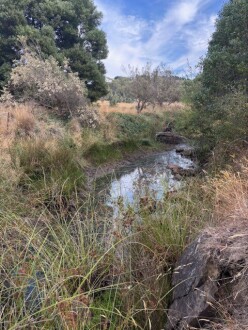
{"x":220,"y":92}
{"x":141,"y":87}
{"x":61,"y":28}
{"x":153,"y":86}
{"x":226,"y":64}
{"x":167,"y":86}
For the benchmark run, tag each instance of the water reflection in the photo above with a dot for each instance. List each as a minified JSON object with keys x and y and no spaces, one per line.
{"x":148,"y":176}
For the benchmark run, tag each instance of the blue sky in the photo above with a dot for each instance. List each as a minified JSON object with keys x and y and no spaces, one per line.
{"x":172,"y":32}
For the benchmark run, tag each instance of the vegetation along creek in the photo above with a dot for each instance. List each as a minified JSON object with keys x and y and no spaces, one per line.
{"x":123,"y":165}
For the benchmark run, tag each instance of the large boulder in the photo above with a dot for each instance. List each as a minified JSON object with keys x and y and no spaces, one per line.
{"x":210,"y":280}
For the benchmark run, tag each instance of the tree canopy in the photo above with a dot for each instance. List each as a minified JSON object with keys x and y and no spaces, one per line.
{"x":61,"y":28}
{"x":153,"y":85}
{"x":226,"y":64}
{"x":219,"y":93}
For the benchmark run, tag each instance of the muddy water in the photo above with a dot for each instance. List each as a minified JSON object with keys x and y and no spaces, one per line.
{"x":147,"y":176}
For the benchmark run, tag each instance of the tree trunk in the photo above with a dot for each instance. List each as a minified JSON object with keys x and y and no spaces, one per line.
{"x":140,"y":106}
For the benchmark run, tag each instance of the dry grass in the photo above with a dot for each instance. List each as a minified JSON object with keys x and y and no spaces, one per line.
{"x":231,"y":195}
{"x":7,"y":130}
{"x":130,"y":108}
{"x":24,"y":120}
{"x":16,"y":118}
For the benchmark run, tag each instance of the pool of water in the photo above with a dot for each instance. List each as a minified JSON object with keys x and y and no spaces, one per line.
{"x":147,"y":176}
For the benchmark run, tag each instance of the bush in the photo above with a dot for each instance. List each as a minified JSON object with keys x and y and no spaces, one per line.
{"x":136,"y":127}
{"x":89,"y":118}
{"x":219,"y":93}
{"x":50,"y":85}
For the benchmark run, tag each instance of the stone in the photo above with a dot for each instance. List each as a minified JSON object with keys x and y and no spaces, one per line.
{"x":183,"y":172}
{"x":186,"y":152}
{"x":209,"y":278}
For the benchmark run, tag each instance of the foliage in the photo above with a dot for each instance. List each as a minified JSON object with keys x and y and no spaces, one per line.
{"x":46,"y":82}
{"x":130,"y":133}
{"x":225,"y":66}
{"x":119,"y":91}
{"x":136,"y":127}
{"x":100,"y":153}
{"x":219,"y":93}
{"x":153,"y":86}
{"x":61,"y":28}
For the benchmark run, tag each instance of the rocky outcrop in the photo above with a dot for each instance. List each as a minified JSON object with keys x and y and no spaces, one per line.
{"x":210,"y":280}
{"x":169,"y":138}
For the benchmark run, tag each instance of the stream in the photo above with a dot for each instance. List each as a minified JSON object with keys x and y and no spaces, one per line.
{"x":147,"y":176}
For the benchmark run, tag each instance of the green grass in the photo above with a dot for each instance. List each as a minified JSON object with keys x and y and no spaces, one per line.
{"x":137,"y":126}
{"x":44,"y":166}
{"x":100,"y":153}
{"x":119,"y":135}
{"x":86,"y":275}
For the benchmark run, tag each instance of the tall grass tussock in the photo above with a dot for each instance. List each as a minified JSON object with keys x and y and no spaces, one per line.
{"x":83,"y":273}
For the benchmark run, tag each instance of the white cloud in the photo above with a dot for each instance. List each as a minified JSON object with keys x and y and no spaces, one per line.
{"x":133,"y":40}
{"x":196,"y":41}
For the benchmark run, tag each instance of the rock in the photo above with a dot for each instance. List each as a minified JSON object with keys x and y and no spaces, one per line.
{"x":186,"y":151}
{"x":183,"y":172}
{"x":211,"y":279}
{"x":169,"y":137}
{"x":195,"y":287}
{"x":178,"y":177}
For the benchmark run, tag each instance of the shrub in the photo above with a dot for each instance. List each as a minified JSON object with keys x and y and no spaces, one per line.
{"x":136,"y":127}
{"x":50,"y":85}
{"x":219,"y":93}
{"x":89,"y":118}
